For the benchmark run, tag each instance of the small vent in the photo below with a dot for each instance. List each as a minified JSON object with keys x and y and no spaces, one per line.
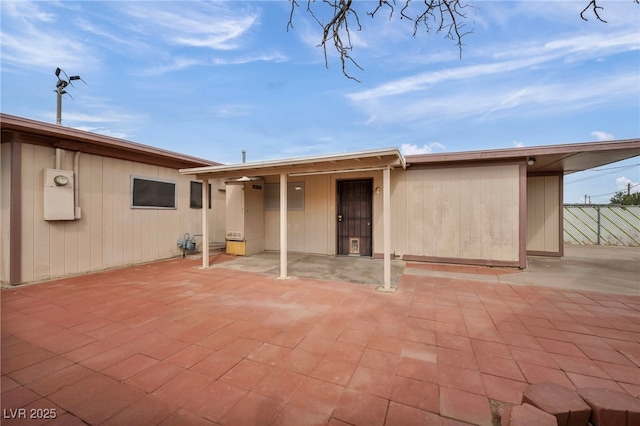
{"x":235,"y":236}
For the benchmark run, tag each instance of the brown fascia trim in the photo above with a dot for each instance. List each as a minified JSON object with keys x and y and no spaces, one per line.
{"x":461,"y":261}
{"x":524,"y":152}
{"x":15,"y":213}
{"x":544,"y":253}
{"x":464,"y":163}
{"x":543,"y":174}
{"x":57,"y":136}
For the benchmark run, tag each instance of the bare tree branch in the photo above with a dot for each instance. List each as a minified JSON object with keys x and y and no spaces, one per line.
{"x":446,"y":16}
{"x":593,"y":4}
{"x":440,"y":16}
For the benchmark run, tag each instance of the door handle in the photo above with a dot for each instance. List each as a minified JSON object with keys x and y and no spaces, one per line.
{"x":339,"y":218}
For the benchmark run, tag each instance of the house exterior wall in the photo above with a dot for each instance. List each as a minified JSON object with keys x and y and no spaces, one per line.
{"x":544,"y":208}
{"x":109,"y":233}
{"x":469,"y":214}
{"x":313,"y":230}
{"x":465,"y":213}
{"x":5,"y":203}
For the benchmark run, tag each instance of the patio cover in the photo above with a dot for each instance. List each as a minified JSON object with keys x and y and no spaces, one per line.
{"x":383,"y":159}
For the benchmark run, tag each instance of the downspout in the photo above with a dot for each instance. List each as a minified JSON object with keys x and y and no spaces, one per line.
{"x":76,"y":185}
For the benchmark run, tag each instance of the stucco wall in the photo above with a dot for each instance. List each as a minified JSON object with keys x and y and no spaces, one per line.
{"x":543,"y":214}
{"x":457,"y":213}
{"x":110,"y":233}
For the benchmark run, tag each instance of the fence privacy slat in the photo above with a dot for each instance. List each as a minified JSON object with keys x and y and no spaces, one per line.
{"x":602,"y":224}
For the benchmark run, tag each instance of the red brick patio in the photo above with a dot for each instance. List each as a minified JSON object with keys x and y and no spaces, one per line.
{"x":168,"y":343}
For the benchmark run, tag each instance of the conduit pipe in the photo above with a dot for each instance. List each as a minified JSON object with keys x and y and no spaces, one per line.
{"x":58,"y":158}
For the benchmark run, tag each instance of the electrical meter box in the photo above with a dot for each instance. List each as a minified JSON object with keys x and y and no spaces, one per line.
{"x":58,"y":195}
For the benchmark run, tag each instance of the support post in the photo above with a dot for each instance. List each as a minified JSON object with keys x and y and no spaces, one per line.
{"x":598,"y":210}
{"x":205,"y":223}
{"x":283,"y":226}
{"x":386,"y":219}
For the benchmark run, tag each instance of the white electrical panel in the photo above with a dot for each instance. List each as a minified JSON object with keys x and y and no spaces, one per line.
{"x":58,"y":195}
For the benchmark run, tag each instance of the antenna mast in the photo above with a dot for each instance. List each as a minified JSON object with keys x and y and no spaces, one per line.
{"x":61,"y":85}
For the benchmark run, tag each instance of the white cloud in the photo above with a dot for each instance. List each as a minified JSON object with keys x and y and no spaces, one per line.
{"x":27,"y":11}
{"x":210,"y":25}
{"x":518,"y":144}
{"x":602,"y":136}
{"x":231,"y":110}
{"x":175,"y":64}
{"x":413,"y":149}
{"x":485,"y":100}
{"x":425,"y":96}
{"x":34,"y":47}
{"x":272,"y":57}
{"x":520,"y":58}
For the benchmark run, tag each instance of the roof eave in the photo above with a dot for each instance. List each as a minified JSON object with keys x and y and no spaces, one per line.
{"x":369,"y":159}
{"x":74,"y":139}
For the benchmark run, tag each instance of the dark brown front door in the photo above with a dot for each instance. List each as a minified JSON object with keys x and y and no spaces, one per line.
{"x":355,"y":217}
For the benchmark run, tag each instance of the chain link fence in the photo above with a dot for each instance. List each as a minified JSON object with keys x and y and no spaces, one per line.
{"x":602,"y":224}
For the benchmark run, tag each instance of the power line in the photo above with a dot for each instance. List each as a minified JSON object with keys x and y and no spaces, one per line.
{"x":611,"y":168}
{"x":615,"y":192}
{"x":614,"y":170}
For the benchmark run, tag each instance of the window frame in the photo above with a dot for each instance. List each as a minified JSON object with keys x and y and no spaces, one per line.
{"x":132,"y":204}
{"x":199,"y":192}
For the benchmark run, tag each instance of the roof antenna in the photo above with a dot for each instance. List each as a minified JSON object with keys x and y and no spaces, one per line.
{"x":244,"y":155}
{"x":61,"y":85}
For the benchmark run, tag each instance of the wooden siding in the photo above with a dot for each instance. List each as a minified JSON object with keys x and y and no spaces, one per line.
{"x":543,"y":214}
{"x":5,"y":204}
{"x":110,"y":233}
{"x":313,"y":230}
{"x":457,"y":213}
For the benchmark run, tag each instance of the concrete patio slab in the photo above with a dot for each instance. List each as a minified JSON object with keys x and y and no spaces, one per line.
{"x":170,"y":343}
{"x":353,"y":269}
{"x":608,"y":269}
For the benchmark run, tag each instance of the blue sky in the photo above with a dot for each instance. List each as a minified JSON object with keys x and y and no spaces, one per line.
{"x":209,"y":79}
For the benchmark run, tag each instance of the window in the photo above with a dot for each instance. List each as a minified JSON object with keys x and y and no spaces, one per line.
{"x":295,"y":196}
{"x":153,"y":193}
{"x":195,"y":199}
